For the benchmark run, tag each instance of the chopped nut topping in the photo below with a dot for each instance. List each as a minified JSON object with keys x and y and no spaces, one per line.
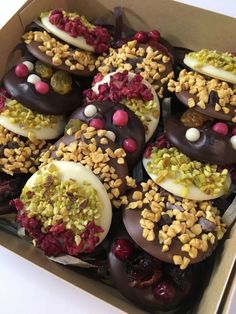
{"x":201,"y":87}
{"x":151,"y":64}
{"x":182,"y":223}
{"x":94,"y":155}
{"x":74,"y":59}
{"x":18,"y":154}
{"x":171,"y":162}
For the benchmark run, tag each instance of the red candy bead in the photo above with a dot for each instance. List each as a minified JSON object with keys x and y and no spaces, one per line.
{"x":220,"y":128}
{"x":41,"y":87}
{"x":141,"y":37}
{"x":120,"y":118}
{"x":97,"y":123}
{"x":21,"y":70}
{"x":129,"y":145}
{"x":122,"y":249}
{"x":234,"y":130}
{"x":154,"y":35}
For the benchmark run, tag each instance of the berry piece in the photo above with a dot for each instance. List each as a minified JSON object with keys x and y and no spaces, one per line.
{"x":21,"y":70}
{"x":129,"y":145}
{"x":192,"y":135}
{"x":97,"y":123}
{"x":154,"y":35}
{"x":120,"y":118}
{"x":33,"y":78}
{"x":141,"y":37}
{"x":164,"y":292}
{"x":234,"y":130}
{"x":41,"y":87}
{"x":220,"y":128}
{"x":90,"y":111}
{"x":29,"y":65}
{"x":122,"y":249}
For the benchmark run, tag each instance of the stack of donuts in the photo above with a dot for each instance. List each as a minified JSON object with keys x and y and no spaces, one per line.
{"x":88,"y":166}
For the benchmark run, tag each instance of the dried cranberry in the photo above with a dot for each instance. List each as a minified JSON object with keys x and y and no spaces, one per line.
{"x":141,"y":37}
{"x":164,"y":292}
{"x":154,"y":35}
{"x":122,"y":249}
{"x":180,"y":278}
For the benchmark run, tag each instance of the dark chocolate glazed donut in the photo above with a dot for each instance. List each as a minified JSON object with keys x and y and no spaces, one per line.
{"x":137,"y":275}
{"x":210,"y":106}
{"x":50,"y":103}
{"x":211,"y":147}
{"x":133,"y":129}
{"x":139,"y":207}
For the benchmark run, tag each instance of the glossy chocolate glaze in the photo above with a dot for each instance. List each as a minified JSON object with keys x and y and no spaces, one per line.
{"x":120,"y":169}
{"x":131,"y":219}
{"x":210,"y":106}
{"x":143,"y":297}
{"x":211,"y":147}
{"x":50,"y":103}
{"x":133,"y":129}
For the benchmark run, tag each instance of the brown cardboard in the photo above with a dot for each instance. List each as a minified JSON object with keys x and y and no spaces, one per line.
{"x":183,"y":25}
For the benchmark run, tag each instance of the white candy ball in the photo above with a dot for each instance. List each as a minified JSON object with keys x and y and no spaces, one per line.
{"x":233,"y":141}
{"x":29,"y":65}
{"x":33,"y":78}
{"x":90,"y":111}
{"x":111,"y":135}
{"x":192,"y":135}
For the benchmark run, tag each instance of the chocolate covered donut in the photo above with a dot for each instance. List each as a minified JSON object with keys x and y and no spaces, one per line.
{"x":152,"y":64}
{"x":96,"y":151}
{"x":125,"y":128}
{"x":38,"y":88}
{"x":172,"y":229}
{"x":145,"y":280}
{"x":58,"y":54}
{"x":209,"y":146}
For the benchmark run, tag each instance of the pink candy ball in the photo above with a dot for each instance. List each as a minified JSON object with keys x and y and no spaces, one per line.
{"x":120,"y":118}
{"x":129,"y":145}
{"x":41,"y":87}
{"x":21,"y":70}
{"x":97,"y":123}
{"x":220,"y":128}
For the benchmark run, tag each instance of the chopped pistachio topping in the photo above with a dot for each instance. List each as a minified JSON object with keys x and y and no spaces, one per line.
{"x":143,"y":110}
{"x":171,"y":163}
{"x":53,"y":201}
{"x":27,"y":118}
{"x":223,"y":60}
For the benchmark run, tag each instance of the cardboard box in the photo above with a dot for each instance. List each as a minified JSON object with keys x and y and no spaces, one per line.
{"x":182,"y":25}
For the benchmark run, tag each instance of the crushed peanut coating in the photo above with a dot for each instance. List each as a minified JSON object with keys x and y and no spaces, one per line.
{"x":26,"y":118}
{"x":151,"y":64}
{"x":61,"y":53}
{"x":18,"y":154}
{"x":94,"y":154}
{"x":194,"y":224}
{"x":201,"y":86}
{"x":218,"y":59}
{"x":171,"y":163}
{"x":53,"y":201}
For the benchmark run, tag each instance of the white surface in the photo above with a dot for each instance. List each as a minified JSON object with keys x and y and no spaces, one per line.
{"x":26,"y":288}
{"x":8,"y":9}
{"x":226,"y":7}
